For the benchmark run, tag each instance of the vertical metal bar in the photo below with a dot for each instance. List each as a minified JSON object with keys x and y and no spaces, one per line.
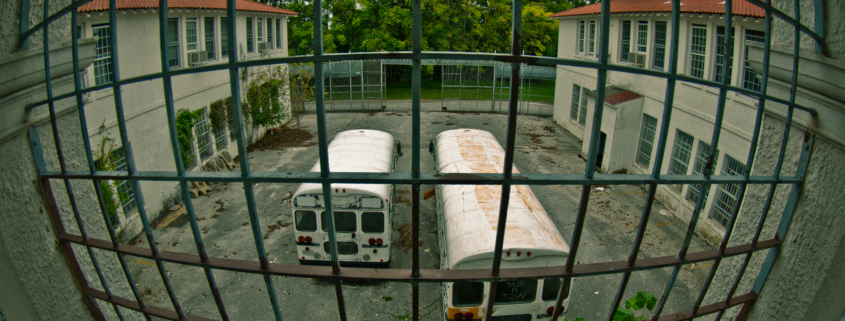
{"x":338,"y":290}
{"x":180,"y":170}
{"x":244,"y":162}
{"x":24,"y":24}
{"x":363,"y":91}
{"x":762,"y":103}
{"x":516,"y":49}
{"x":58,"y":144}
{"x":591,"y":160}
{"x":619,"y":295}
{"x":818,"y":16}
{"x":322,"y":135}
{"x":416,"y":80}
{"x":516,"y":40}
{"x":661,"y":145}
{"x":789,"y":210}
{"x":415,"y":231}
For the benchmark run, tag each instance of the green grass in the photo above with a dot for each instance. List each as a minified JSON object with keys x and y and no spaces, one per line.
{"x":541,"y":91}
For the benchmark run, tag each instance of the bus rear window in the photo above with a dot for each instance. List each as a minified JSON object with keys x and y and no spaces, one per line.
{"x":551,"y":286}
{"x":372,"y":222}
{"x":467,"y":294}
{"x":343,"y":222}
{"x":516,"y":291}
{"x":343,"y":248}
{"x":306,"y":221}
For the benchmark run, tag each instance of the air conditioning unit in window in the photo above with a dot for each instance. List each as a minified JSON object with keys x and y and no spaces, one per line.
{"x":265,"y":46}
{"x":637,"y":59}
{"x":197,"y":57}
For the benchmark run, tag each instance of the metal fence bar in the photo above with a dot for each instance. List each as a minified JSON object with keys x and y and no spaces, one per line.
{"x":802,"y":167}
{"x":437,"y":55}
{"x":326,"y":178}
{"x":183,"y":185}
{"x":727,"y":62}
{"x":59,"y":152}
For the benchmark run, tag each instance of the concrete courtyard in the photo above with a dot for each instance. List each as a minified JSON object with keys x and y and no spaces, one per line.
{"x":542,"y":147}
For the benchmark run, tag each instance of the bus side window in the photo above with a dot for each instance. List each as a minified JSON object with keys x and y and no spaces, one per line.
{"x":343,"y":222}
{"x":372,"y":222}
{"x":551,"y":286}
{"x":306,"y":221}
{"x":467,"y":293}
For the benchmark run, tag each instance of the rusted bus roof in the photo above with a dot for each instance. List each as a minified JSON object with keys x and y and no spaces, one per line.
{"x":240,"y":5}
{"x":740,"y":8}
{"x":360,"y":150}
{"x":471,"y":212}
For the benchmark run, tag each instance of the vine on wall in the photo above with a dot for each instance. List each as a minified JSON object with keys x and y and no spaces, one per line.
{"x":185,"y":121}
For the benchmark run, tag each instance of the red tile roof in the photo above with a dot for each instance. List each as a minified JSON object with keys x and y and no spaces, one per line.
{"x":740,"y":7}
{"x":241,"y":5}
{"x":621,"y":97}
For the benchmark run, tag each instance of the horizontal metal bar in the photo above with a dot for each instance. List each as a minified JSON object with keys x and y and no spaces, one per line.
{"x":168,"y":314}
{"x":425,"y":178}
{"x":430,"y":55}
{"x":710,"y":308}
{"x":147,"y":309}
{"x":426,"y":275}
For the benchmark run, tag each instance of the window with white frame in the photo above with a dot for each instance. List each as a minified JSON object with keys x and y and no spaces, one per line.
{"x":278,"y":33}
{"x":191,"y":38}
{"x":625,"y":45}
{"x":204,"y":136}
{"x":125,"y":193}
{"x":224,"y":38}
{"x":680,"y":156}
{"x":701,"y":157}
{"x":270,"y":33}
{"x":592,"y":47}
{"x":642,"y":36}
{"x":220,"y":141}
{"x":647,"y":134}
{"x":103,"y":72}
{"x":749,"y":76}
{"x":250,"y":37}
{"x":658,"y":55}
{"x":576,"y":102}
{"x":260,"y":30}
{"x":582,"y":30}
{"x":726,"y":194}
{"x":697,"y":51}
{"x":210,"y":47}
{"x":173,"y":52}
{"x":578,"y":110}
{"x":722,"y":56}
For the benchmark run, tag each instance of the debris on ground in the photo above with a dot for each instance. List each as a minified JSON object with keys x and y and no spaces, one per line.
{"x":405,"y":237}
{"x":276,"y":226}
{"x":279,"y":137}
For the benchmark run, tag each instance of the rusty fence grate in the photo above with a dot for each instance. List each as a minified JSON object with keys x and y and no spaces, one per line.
{"x":415,"y":275}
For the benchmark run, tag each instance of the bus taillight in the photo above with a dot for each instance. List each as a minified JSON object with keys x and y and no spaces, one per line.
{"x":372,"y":241}
{"x":301,"y":239}
{"x":379,"y":241}
{"x":308,"y":239}
{"x":463,"y":316}
{"x":550,"y":310}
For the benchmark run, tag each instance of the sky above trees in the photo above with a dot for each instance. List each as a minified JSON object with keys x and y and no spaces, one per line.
{"x":447,"y":25}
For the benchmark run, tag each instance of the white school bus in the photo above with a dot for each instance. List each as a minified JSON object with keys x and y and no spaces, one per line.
{"x":467,"y":217}
{"x":362,"y":212}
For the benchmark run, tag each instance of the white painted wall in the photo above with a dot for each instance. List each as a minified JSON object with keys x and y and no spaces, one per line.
{"x":694,"y":109}
{"x":143,"y":102}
